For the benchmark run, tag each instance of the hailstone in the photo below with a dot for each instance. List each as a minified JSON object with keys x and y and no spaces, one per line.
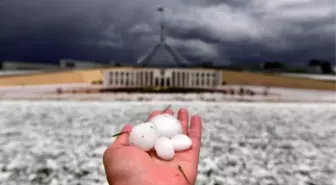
{"x":143,"y":136}
{"x":164,"y":148}
{"x":181,"y":142}
{"x":166,"y":125}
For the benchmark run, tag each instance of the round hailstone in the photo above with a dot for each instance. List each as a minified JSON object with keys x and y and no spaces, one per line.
{"x":166,"y":125}
{"x":181,"y":142}
{"x":164,"y":148}
{"x":143,"y":136}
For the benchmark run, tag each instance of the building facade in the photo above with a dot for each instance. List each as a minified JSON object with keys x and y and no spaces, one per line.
{"x":21,"y":65}
{"x":161,"y":78}
{"x":78,"y":64}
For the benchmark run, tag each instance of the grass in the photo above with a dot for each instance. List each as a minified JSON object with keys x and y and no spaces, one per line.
{"x":230,"y":77}
{"x":259,"y":79}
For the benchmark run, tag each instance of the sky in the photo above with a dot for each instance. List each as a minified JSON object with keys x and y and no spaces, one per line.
{"x":221,"y":31}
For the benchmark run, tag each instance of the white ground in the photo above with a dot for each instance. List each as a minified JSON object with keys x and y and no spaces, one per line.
{"x":312,"y":76}
{"x":61,"y":143}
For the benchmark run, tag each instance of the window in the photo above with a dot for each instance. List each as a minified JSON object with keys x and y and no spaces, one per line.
{"x":151,"y":78}
{"x":168,"y":82}
{"x":173,"y":78}
{"x":69,"y":64}
{"x":121,"y":78}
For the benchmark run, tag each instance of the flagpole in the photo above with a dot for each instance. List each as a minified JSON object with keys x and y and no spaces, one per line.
{"x":162,"y":27}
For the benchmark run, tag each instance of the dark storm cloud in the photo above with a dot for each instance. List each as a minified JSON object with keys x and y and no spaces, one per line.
{"x":222,"y":31}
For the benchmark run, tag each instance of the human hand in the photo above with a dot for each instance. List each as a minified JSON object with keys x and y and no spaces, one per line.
{"x":128,"y":165}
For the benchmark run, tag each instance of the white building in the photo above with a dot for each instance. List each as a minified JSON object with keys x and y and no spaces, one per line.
{"x":79,"y":64}
{"x":21,"y":65}
{"x":162,"y":78}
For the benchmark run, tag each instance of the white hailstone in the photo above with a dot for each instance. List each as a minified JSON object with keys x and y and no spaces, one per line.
{"x":164,"y":148}
{"x":166,"y":125}
{"x":143,"y":136}
{"x":181,"y":142}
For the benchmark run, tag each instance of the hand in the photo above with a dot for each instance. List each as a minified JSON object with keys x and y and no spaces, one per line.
{"x":128,"y":165}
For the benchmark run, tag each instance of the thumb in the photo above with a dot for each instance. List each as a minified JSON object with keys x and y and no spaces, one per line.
{"x":123,"y":138}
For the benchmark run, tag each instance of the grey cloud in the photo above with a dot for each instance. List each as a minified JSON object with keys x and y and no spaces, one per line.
{"x":140,"y":29}
{"x":215,"y":30}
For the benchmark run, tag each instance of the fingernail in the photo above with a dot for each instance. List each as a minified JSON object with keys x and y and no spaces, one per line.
{"x":183,"y":110}
{"x":127,"y":128}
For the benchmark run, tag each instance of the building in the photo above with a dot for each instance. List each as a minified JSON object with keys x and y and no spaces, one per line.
{"x":21,"y":65}
{"x":79,"y":64}
{"x":162,"y":78}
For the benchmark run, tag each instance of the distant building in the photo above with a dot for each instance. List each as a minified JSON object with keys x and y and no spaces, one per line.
{"x":79,"y":64}
{"x":314,"y":69}
{"x":21,"y":65}
{"x":162,"y":78}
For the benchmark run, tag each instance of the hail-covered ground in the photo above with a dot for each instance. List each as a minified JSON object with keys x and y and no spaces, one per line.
{"x":61,"y":143}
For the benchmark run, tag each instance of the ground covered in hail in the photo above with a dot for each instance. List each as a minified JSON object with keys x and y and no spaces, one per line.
{"x":62,"y":143}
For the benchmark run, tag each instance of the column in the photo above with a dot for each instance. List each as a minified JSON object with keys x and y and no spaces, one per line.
{"x":125,"y":78}
{"x":129,"y":78}
{"x":132,"y":78}
{"x":190,"y":79}
{"x":186,"y":82}
{"x":110,"y":76}
{"x":138,"y":78}
{"x":181,"y":79}
{"x":153,"y":77}
{"x":143,"y":78}
{"x":148,"y":78}
{"x":210,"y":80}
{"x":175,"y":78}
{"x":198,"y":79}
{"x":116,"y":74}
{"x":186,"y":79}
{"x":120,"y":78}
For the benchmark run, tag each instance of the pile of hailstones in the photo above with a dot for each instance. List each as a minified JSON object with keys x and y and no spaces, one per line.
{"x":163,"y":133}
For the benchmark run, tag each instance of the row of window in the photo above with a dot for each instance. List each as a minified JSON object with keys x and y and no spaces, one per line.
{"x":178,"y":79}
{"x":129,"y":74}
{"x":164,"y":82}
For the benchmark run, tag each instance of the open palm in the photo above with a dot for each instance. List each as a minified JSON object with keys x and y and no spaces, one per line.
{"x":128,"y":165}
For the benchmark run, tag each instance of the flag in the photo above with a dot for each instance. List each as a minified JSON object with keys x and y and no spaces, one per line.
{"x":160,"y":9}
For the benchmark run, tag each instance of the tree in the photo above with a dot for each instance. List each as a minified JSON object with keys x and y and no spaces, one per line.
{"x":326,"y":67}
{"x":272,"y":65}
{"x":208,"y":64}
{"x":314,"y":63}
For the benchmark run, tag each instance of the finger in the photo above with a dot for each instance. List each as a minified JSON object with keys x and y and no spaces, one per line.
{"x":195,"y":134}
{"x":183,"y":116}
{"x":155,"y":113}
{"x":123,"y":138}
{"x":169,"y":111}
